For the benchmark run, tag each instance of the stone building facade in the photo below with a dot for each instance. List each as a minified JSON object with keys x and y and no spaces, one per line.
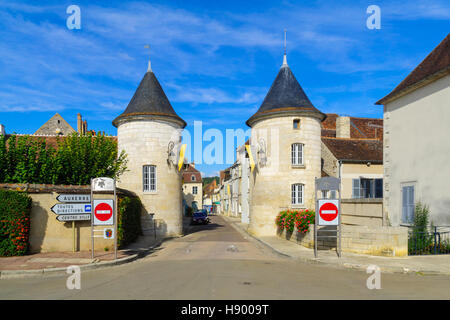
{"x":286,"y":139}
{"x":149,"y":131}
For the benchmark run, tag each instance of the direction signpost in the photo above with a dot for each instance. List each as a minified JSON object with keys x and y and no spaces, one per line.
{"x":76,"y":207}
{"x":104,"y":211}
{"x":328,"y":212}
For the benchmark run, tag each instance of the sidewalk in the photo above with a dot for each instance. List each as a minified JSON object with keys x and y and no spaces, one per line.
{"x":56,"y":263}
{"x":431,"y":264}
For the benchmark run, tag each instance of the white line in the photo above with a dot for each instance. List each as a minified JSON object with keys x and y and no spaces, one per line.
{"x":328,"y":211}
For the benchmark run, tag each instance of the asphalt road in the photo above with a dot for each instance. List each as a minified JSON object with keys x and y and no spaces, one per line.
{"x":217,"y":262}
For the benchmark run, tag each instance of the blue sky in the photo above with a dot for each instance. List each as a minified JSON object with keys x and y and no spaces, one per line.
{"x":214,"y":59}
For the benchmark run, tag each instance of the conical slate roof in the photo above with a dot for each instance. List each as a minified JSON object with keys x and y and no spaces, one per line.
{"x":149,"y":100}
{"x":285,"y":96}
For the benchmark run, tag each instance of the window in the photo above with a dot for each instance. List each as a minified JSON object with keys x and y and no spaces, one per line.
{"x":194,"y":190}
{"x":367,"y":188}
{"x":149,"y":178}
{"x":296,"y":124}
{"x":193,"y":178}
{"x":408,"y":204}
{"x":297,"y":194}
{"x":297,"y":154}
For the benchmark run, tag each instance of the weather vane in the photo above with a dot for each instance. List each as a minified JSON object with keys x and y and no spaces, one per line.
{"x":284,"y":41}
{"x":147,"y":46}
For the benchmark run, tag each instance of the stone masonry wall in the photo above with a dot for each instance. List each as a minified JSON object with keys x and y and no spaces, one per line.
{"x":271,"y":184}
{"x":378,"y":241}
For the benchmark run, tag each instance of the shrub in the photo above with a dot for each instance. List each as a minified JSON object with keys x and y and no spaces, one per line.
{"x":15,"y":208}
{"x":76,"y":160}
{"x":420,"y":240}
{"x":300,"y":219}
{"x":128,"y":220}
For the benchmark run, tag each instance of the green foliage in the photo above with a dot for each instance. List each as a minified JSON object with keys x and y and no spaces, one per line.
{"x":208,"y":180}
{"x":128,"y":220}
{"x":15,"y":210}
{"x":420,"y":240}
{"x":76,"y":160}
{"x":290,"y":219}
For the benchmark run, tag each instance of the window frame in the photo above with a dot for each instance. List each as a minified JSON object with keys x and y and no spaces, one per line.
{"x":296,"y":194}
{"x":297,"y":156}
{"x":147,"y":178}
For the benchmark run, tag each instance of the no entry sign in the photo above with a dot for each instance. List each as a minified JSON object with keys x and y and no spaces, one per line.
{"x":328,"y":212}
{"x":103,"y":212}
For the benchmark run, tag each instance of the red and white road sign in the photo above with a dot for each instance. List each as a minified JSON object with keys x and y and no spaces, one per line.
{"x":328,"y":212}
{"x":103,"y":212}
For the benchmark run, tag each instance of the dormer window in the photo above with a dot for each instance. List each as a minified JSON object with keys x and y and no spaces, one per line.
{"x":193,"y":178}
{"x":296,"y":124}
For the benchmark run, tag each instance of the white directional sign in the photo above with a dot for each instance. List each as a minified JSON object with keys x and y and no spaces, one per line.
{"x":74,"y":198}
{"x":71,"y":208}
{"x":73,"y":217}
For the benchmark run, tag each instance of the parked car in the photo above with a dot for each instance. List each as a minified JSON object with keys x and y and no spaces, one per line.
{"x":200,"y":217}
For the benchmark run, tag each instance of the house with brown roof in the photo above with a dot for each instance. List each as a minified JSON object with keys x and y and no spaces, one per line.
{"x":352,"y":149}
{"x":192,"y":186}
{"x":417,"y":141}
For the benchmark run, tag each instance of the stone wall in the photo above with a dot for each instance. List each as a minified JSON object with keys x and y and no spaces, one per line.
{"x":271,"y":184}
{"x":362,"y":212}
{"x":47,"y":234}
{"x":146,"y":143}
{"x":378,"y":241}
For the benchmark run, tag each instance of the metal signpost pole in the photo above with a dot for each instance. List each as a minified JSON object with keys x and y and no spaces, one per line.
{"x":92,"y":219}
{"x":115,"y":221}
{"x":73,"y":230}
{"x":316,"y":220}
{"x":340,"y":221}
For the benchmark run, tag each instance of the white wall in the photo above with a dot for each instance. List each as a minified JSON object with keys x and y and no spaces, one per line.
{"x":417,"y":150}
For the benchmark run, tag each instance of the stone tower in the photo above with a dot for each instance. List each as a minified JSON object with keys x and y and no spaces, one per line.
{"x":286,"y":139}
{"x":147,"y":130}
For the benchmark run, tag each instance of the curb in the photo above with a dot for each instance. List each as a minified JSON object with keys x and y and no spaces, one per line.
{"x":345,"y":265}
{"x":37,"y":273}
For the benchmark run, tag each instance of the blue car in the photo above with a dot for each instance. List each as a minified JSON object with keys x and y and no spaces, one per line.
{"x":200,"y":217}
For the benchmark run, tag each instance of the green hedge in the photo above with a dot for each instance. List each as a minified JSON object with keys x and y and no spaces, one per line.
{"x":77,"y":159}
{"x":15,"y":208}
{"x":129,"y":220}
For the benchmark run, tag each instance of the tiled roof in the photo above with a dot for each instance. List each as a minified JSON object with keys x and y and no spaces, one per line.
{"x":285,"y":95}
{"x":190,"y":171}
{"x":434,"y":66}
{"x":149,"y":100}
{"x":363,"y":128}
{"x":358,"y":150}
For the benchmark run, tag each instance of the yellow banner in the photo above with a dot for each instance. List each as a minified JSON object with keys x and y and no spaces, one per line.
{"x":181,"y":159}
{"x":252,"y":161}
{"x":228,"y":188}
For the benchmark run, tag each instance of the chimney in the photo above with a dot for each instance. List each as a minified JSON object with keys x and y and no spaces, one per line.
{"x":343,"y":127}
{"x":79,"y":124}
{"x":2,"y":130}
{"x":193,"y":165}
{"x":85,"y":127}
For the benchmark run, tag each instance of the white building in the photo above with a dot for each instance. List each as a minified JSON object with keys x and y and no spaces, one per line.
{"x":417,"y":141}
{"x":147,"y":131}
